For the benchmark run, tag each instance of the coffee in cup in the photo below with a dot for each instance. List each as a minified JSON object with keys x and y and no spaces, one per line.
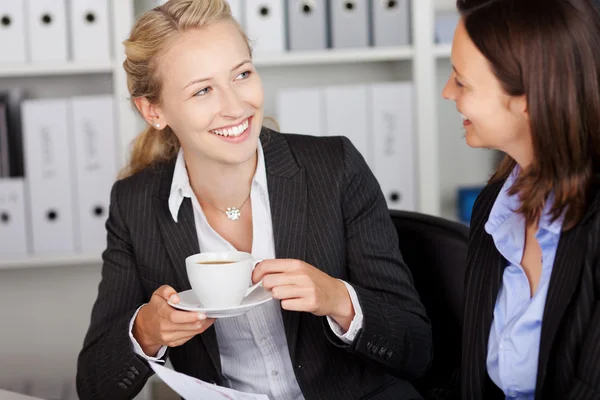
{"x":221,"y":280}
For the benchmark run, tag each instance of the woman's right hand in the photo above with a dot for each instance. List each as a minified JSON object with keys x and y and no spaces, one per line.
{"x":158,"y":324}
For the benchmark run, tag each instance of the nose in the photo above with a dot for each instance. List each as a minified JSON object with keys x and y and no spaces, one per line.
{"x":448,"y":92}
{"x":231,"y":105}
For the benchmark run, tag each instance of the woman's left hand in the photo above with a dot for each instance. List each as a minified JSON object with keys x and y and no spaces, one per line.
{"x":302,"y":287}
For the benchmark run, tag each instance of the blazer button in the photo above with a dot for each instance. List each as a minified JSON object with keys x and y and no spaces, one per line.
{"x":382,"y":351}
{"x":134,"y":370}
{"x":130,"y":375}
{"x":374,"y":350}
{"x":127,"y":381}
{"x":388,"y":355}
{"x":369,"y":346}
{"x":122,"y":385}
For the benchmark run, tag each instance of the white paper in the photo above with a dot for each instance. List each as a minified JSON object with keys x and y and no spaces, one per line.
{"x":194,"y":389}
{"x":5,"y":395}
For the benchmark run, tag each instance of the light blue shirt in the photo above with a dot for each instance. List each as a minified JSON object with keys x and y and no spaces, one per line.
{"x":514,"y":339}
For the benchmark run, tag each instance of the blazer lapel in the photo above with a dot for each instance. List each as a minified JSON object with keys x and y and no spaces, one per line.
{"x":566,"y":274}
{"x":484,"y":282}
{"x":485,"y":267}
{"x":288,"y":201}
{"x":181,"y":241}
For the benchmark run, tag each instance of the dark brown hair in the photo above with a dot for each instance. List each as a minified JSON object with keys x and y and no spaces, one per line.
{"x":549,"y":51}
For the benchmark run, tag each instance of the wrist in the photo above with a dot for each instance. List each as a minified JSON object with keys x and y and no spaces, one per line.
{"x":343,"y":312}
{"x":149,"y":347}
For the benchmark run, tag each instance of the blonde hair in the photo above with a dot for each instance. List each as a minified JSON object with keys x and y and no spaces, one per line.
{"x":148,"y":40}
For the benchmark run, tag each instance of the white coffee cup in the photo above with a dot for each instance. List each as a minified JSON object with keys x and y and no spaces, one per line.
{"x":221,"y":280}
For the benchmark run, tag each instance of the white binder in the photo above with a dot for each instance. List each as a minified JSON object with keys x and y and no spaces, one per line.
{"x":48,"y":169}
{"x":90,"y":30}
{"x":349,"y":23}
{"x":47,"y":30}
{"x":393,"y":140}
{"x":307,"y":24}
{"x":12,"y":32}
{"x":301,"y":111}
{"x":13,"y":223}
{"x":94,"y":140}
{"x":265,"y":25}
{"x":390,"y":22}
{"x":347,"y":114}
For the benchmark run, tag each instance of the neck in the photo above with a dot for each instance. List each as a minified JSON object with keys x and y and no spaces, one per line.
{"x":221,"y":185}
{"x":522,"y":152}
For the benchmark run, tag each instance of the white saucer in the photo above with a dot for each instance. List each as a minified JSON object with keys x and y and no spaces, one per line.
{"x":189,"y":302}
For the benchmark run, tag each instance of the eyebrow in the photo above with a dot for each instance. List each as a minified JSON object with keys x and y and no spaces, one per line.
{"x":454,"y":68}
{"x":205,"y":79}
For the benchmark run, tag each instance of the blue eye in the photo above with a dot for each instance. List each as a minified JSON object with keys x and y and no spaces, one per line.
{"x":201,"y":92}
{"x":243,"y":75}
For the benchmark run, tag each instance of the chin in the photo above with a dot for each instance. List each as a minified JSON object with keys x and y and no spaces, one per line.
{"x":242,"y":154}
{"x":473,"y":141}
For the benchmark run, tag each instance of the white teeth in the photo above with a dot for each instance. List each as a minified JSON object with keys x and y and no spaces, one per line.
{"x":235,"y":131}
{"x":464,"y":118}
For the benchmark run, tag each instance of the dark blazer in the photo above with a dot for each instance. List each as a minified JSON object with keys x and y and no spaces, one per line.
{"x":327,"y":210}
{"x":569,"y":356}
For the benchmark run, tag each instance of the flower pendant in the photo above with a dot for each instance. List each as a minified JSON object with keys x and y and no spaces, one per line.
{"x":233,"y":213}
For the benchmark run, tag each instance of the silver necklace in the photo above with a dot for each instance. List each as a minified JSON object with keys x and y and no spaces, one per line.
{"x":233,"y":213}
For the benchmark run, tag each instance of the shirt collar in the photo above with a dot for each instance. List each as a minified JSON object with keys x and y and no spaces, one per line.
{"x":181,"y":188}
{"x":506,"y":205}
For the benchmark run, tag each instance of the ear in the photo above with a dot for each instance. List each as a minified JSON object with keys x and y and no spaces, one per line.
{"x":518,"y":105}
{"x":151,"y":113}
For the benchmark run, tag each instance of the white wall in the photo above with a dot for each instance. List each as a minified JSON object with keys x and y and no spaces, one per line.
{"x":44,"y":315}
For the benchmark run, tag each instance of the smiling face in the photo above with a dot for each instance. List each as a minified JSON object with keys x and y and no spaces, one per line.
{"x":212,"y":97}
{"x":491,"y":118}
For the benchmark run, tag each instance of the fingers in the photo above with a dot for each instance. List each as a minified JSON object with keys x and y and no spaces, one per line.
{"x":184,"y":332}
{"x":281,"y":279}
{"x":168,"y":327}
{"x":183,"y":339}
{"x":166,"y":292}
{"x":274,"y":267}
{"x":299,"y":304}
{"x":182,"y":317}
{"x":296,"y":298}
{"x":288,"y":292}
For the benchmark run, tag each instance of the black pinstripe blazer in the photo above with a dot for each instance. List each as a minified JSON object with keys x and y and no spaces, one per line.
{"x":569,"y":356}
{"x":328,"y":210}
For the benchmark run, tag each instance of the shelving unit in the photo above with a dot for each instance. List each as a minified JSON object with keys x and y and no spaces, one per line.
{"x":444,"y":161}
{"x":443,"y":50}
{"x":333,"y":56}
{"x":425,"y":63}
{"x":14,"y":71}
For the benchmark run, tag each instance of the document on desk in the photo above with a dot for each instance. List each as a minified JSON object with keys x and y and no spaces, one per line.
{"x":194,"y":389}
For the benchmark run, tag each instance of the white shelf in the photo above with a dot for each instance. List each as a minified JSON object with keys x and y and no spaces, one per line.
{"x":334,"y":56}
{"x":45,"y":69}
{"x":443,"y":50}
{"x":58,"y":260}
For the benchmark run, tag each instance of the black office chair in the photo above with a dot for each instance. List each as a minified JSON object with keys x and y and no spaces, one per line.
{"x":435,"y":250}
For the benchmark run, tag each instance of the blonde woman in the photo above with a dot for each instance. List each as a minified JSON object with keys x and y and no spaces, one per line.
{"x":346,"y":322}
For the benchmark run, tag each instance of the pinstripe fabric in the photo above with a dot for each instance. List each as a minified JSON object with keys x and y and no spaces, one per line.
{"x":328,"y":210}
{"x":569,"y":358}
